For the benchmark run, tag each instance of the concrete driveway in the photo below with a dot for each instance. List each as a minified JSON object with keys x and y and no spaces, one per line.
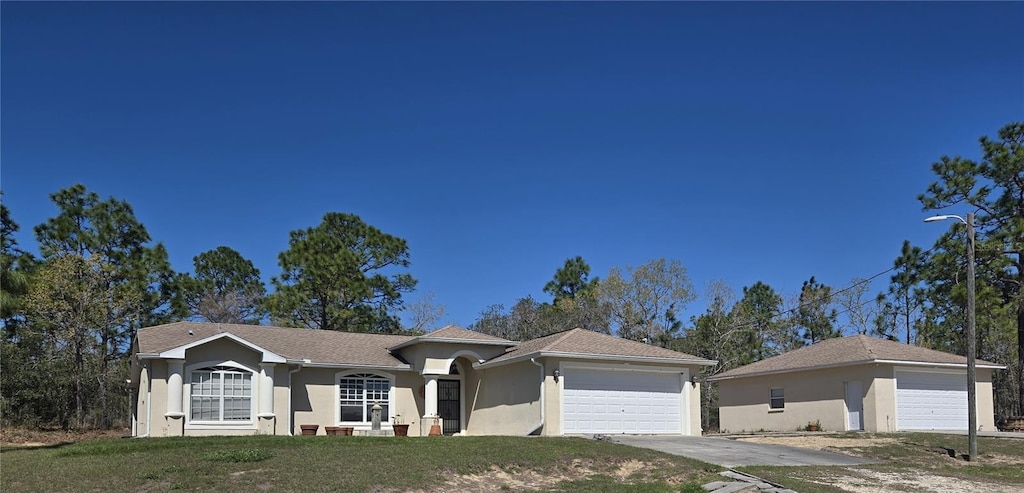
{"x":732,"y":453}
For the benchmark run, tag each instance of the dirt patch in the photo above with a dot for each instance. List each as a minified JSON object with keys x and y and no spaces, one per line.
{"x":25,"y":437}
{"x":868,"y":481}
{"x":821,"y":443}
{"x":500,"y":480}
{"x":497,"y":480}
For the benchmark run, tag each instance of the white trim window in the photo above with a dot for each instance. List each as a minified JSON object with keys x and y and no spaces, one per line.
{"x":220,"y":394}
{"x":358,"y":392}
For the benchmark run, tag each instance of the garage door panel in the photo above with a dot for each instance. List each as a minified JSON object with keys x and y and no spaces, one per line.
{"x":931,"y":401}
{"x":621,"y":402}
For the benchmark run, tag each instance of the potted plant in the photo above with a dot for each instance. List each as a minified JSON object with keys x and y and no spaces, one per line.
{"x":814,"y":425}
{"x":435,"y":429}
{"x":309,"y":429}
{"x":333,"y":430}
{"x":400,"y":427}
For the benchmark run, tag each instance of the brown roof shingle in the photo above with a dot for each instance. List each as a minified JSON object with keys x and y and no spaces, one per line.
{"x":318,"y":346}
{"x":455,"y":332}
{"x":587,"y":342}
{"x":843,"y":351}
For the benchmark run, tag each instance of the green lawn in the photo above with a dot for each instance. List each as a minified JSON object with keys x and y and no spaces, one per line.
{"x":347,"y":464}
{"x":1000,"y":464}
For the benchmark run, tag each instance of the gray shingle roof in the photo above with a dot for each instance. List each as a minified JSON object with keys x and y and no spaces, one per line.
{"x":843,"y":351}
{"x":590,"y":343}
{"x":318,"y":346}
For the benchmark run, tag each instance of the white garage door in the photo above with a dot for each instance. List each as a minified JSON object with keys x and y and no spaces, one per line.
{"x":621,"y":402}
{"x":931,"y":401}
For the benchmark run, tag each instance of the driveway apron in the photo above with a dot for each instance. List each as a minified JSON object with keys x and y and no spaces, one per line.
{"x":733,"y":453}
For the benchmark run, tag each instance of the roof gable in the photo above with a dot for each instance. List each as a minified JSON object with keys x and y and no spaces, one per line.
{"x":587,"y":343}
{"x":845,"y":351}
{"x":456,"y":332}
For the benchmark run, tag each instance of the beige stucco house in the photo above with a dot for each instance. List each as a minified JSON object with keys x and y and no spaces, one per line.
{"x":202,"y":379}
{"x":854,"y":383}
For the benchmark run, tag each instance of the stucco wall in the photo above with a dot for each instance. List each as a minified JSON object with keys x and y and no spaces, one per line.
{"x":817,"y":395}
{"x":506,"y":400}
{"x":434,"y":358}
{"x":820,"y":395}
{"x":315,"y":394}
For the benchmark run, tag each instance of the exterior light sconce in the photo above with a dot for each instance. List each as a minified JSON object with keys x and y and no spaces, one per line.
{"x":693,"y":380}
{"x":556,"y":374}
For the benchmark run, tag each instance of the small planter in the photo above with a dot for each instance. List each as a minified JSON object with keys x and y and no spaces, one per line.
{"x":401,"y":430}
{"x":309,"y":429}
{"x":812,"y":427}
{"x":435,"y":430}
{"x":346,"y":431}
{"x":333,"y":430}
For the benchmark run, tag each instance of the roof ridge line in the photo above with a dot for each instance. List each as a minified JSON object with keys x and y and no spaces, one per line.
{"x":563,"y":337}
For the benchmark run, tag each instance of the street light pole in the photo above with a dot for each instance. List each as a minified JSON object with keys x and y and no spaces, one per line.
{"x":972,"y":341}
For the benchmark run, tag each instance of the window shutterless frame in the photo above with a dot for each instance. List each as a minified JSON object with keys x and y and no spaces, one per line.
{"x":776,"y":399}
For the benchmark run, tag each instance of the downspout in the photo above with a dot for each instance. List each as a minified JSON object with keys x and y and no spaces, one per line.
{"x":291,"y":413}
{"x":537,"y":429}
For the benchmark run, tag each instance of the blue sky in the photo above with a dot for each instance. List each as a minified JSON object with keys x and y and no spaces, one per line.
{"x":751,"y":141}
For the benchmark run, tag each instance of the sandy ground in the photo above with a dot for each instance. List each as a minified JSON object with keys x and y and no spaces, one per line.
{"x":499,"y":480}
{"x":862,"y":480}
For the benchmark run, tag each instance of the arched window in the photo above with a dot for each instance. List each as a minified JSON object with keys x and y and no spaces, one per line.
{"x":220,"y":394}
{"x":358,"y":392}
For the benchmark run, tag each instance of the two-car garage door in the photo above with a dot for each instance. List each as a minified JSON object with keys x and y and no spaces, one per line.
{"x":598,"y":401}
{"x":931,"y":400}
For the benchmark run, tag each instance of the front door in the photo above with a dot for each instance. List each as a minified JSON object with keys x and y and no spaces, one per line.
{"x":449,"y":406}
{"x":855,"y":405}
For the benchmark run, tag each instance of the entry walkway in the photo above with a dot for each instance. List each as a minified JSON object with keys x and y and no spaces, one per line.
{"x":732,"y":453}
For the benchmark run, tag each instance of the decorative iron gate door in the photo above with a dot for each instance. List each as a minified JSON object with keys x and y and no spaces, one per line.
{"x":449,"y":406}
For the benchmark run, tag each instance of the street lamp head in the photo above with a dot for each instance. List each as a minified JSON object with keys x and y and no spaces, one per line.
{"x":943,"y":217}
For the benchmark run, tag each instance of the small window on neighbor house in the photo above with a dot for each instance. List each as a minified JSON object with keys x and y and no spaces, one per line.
{"x":778,"y":399}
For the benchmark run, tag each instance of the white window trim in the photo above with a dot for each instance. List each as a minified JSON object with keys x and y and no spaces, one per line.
{"x":384,"y":420}
{"x":208,"y":425}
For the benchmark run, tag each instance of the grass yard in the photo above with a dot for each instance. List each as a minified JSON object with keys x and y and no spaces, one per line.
{"x":356,"y":464}
{"x":910,"y":462}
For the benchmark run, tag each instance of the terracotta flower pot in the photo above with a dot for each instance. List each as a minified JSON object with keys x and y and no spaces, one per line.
{"x":812,"y":427}
{"x":333,"y":430}
{"x":309,"y":429}
{"x":346,"y":431}
{"x":401,"y":430}
{"x":435,"y":430}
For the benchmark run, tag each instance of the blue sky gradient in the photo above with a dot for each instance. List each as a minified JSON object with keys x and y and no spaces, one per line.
{"x":751,"y":141}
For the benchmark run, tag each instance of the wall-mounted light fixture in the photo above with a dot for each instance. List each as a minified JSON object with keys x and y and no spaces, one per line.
{"x":556,"y":374}
{"x":693,"y":380}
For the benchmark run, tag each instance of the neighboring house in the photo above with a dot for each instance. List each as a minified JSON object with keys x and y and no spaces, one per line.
{"x":854,"y":383}
{"x":204,"y":379}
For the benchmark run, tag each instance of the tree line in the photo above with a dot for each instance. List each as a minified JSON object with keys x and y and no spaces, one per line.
{"x":70,"y":310}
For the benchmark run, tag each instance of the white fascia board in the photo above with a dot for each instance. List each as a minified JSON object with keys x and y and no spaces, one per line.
{"x":598,"y":357}
{"x":313,"y":364}
{"x":938,"y":365}
{"x":179,"y":352}
{"x":449,"y":340}
{"x":791,"y":370}
{"x":852,"y":363}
